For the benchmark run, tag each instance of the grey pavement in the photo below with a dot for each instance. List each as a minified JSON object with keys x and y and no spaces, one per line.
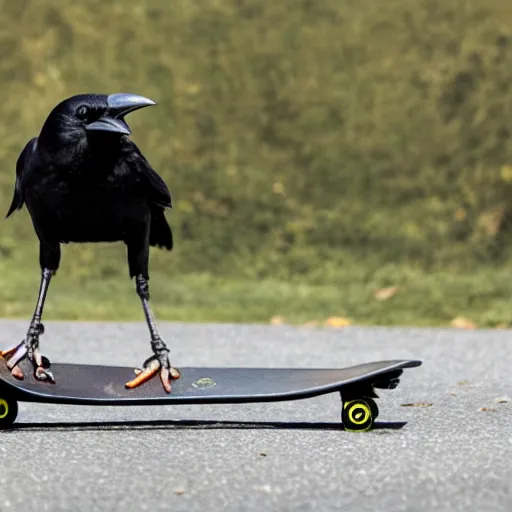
{"x":453,"y":455}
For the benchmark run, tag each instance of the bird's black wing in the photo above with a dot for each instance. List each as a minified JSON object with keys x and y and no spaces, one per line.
{"x":154,"y":187}
{"x":21,"y":171}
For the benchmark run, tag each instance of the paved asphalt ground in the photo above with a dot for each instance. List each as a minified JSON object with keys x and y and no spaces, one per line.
{"x":289,"y":456}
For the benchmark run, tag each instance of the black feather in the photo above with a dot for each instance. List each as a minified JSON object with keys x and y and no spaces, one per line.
{"x":22,"y":165}
{"x":160,"y":234}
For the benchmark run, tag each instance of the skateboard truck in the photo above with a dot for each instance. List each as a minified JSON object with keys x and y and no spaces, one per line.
{"x":359,"y":410}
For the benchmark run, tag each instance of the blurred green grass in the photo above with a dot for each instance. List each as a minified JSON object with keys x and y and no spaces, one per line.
{"x":423,"y":298}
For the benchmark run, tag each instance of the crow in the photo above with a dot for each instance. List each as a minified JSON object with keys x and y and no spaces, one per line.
{"x":83,"y":180}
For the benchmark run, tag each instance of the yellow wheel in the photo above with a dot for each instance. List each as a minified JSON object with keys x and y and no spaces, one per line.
{"x":8,"y":411}
{"x":357,"y":415}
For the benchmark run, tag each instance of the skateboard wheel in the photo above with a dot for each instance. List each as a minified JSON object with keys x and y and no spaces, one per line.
{"x":373,"y":407}
{"x":8,"y":412}
{"x":357,"y":415}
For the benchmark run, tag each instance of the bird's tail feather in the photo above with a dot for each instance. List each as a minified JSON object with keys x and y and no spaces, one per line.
{"x":16,"y":204}
{"x":160,"y":234}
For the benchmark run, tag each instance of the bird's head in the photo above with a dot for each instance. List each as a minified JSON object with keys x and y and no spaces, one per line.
{"x":84,"y":115}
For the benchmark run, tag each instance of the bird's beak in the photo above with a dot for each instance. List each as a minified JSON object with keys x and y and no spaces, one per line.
{"x":118,"y":106}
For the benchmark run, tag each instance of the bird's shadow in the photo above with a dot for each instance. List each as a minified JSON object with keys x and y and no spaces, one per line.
{"x":190,"y":424}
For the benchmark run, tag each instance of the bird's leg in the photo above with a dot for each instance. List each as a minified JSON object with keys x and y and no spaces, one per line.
{"x":160,"y":359}
{"x":29,"y":347}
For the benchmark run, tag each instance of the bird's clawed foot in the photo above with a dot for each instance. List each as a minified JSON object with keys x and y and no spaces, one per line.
{"x":29,"y":348}
{"x":159,"y":363}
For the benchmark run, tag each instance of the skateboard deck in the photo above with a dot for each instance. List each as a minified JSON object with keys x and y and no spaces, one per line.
{"x":105,"y":385}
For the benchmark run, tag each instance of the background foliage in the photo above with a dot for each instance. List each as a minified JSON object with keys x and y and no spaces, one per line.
{"x":335,"y":145}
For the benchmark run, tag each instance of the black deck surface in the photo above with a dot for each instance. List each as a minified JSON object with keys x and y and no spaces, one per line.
{"x":95,"y":385}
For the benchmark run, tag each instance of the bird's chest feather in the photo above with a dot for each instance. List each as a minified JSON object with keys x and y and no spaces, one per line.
{"x":90,"y":206}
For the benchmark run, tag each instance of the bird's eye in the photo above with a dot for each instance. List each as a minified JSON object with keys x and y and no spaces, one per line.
{"x":82,"y":112}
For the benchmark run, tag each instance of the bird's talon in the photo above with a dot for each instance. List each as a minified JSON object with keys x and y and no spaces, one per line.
{"x":42,"y":374}
{"x":18,"y":354}
{"x":37,"y":358}
{"x":144,"y":375}
{"x":151,"y":367}
{"x":164,"y":377}
{"x":8,"y":351}
{"x":17,"y":373}
{"x":151,"y":362}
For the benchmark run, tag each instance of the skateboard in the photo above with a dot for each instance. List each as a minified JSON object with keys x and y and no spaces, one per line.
{"x":83,"y":384}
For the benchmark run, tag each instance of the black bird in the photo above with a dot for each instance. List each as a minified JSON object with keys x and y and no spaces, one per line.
{"x":84,"y":180}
